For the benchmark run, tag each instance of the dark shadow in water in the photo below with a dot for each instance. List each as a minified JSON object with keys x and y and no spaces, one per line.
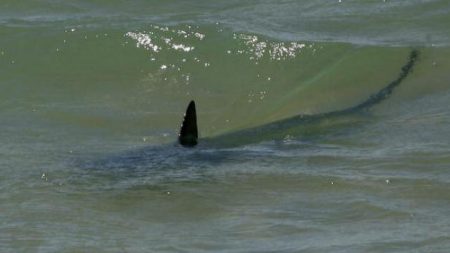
{"x":300,"y":124}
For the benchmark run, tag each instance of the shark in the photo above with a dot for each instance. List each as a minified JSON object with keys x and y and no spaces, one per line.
{"x":190,"y":151}
{"x":188,"y":134}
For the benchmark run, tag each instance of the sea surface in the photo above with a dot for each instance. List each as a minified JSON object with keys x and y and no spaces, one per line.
{"x":92,"y":95}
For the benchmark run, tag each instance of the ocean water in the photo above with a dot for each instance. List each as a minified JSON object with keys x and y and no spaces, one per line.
{"x":93,"y":93}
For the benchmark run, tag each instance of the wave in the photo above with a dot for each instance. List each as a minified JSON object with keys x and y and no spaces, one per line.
{"x":144,"y":78}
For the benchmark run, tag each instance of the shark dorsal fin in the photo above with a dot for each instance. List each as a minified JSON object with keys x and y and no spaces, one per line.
{"x":188,"y":133}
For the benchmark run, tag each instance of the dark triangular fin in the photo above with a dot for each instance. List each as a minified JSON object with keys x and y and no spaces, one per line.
{"x":188,"y":133}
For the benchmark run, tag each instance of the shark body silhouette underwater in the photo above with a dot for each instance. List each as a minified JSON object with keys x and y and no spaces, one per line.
{"x":192,"y":152}
{"x":188,"y":135}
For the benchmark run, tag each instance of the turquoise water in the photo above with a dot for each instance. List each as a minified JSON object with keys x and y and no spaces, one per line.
{"x":93,"y":93}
